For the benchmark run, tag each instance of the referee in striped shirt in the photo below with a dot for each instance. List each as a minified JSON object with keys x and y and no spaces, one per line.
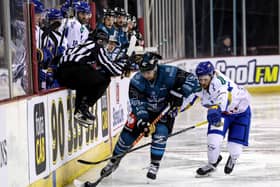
{"x":87,"y":69}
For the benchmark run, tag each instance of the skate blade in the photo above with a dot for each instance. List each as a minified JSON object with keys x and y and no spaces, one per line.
{"x":150,"y":181}
{"x":203,"y":176}
{"x":84,"y":123}
{"x":78,"y":183}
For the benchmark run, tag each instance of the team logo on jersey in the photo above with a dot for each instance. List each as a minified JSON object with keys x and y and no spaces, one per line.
{"x":82,"y":29}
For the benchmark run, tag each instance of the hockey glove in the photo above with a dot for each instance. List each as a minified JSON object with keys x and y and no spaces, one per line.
{"x":175,"y":98}
{"x":214,"y":116}
{"x":145,"y":127}
{"x":173,"y":112}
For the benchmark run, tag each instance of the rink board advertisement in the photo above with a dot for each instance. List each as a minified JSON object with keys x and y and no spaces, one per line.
{"x":252,"y":71}
{"x":67,"y":138}
{"x":38,"y":138}
{"x":3,"y":149}
{"x":119,"y":104}
{"x":55,"y":137}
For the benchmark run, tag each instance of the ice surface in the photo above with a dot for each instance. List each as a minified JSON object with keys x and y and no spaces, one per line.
{"x":259,"y":164}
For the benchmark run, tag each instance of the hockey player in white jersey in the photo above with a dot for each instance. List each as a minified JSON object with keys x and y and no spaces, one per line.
{"x":229,"y":103}
{"x":77,"y":31}
{"x":39,"y":10}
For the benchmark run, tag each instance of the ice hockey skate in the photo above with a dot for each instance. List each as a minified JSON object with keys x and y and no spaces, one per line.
{"x":110,"y":167}
{"x":229,"y":165}
{"x":152,"y":171}
{"x":206,"y":171}
{"x":84,"y":116}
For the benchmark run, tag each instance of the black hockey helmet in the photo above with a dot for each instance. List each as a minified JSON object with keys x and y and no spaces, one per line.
{"x":119,"y":11}
{"x":108,"y":12}
{"x":149,"y":61}
{"x":99,"y":36}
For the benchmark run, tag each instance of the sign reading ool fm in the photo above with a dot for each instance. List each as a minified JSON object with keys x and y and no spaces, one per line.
{"x":249,"y":71}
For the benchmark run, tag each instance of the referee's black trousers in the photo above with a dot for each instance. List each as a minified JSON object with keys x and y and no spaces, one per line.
{"x":89,"y":83}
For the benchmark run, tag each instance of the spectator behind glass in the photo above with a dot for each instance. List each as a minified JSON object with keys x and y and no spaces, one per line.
{"x":224,"y":47}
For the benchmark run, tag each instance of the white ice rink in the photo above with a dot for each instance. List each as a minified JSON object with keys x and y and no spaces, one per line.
{"x":259,"y":165}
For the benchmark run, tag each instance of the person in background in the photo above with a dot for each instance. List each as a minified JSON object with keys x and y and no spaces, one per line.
{"x":112,"y":44}
{"x":224,"y":47}
{"x":107,"y":24}
{"x":53,"y":44}
{"x":76,"y":27}
{"x":119,"y":24}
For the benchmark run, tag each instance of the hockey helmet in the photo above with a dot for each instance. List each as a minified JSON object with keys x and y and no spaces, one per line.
{"x":99,"y":36}
{"x":82,"y":6}
{"x":131,"y":18}
{"x":119,"y":11}
{"x":113,"y":38}
{"x":54,"y":14}
{"x":108,"y":12}
{"x":66,"y":6}
{"x":39,"y":7}
{"x":149,"y":61}
{"x":205,"y":68}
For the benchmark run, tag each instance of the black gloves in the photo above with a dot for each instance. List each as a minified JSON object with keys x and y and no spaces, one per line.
{"x":175,"y":98}
{"x":145,"y":127}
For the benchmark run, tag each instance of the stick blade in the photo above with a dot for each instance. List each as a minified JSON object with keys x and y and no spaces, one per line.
{"x":131,"y":46}
{"x":78,"y":183}
{"x":85,"y":162}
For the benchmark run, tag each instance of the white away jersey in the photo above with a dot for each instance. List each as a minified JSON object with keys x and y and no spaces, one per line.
{"x":38,"y":35}
{"x":232,"y":99}
{"x":76,"y":32}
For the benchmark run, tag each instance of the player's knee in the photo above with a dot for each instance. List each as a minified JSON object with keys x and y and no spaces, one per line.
{"x":124,"y":142}
{"x":159,"y":139}
{"x":234,"y":149}
{"x":214,"y":139}
{"x":214,"y":142}
{"x":161,"y":130}
{"x":126,"y":138}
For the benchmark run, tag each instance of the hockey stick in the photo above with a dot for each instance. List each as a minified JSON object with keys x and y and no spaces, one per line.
{"x":69,"y":14}
{"x":129,"y":52}
{"x":132,"y":44}
{"x":144,"y":145}
{"x":153,"y":123}
{"x":141,"y":135}
{"x":134,"y":143}
{"x":90,"y":184}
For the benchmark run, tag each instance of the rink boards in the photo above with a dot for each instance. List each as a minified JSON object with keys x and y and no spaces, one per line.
{"x":40,"y":142}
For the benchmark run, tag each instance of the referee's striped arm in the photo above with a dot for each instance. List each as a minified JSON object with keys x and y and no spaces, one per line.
{"x":113,"y":67}
{"x":79,"y":53}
